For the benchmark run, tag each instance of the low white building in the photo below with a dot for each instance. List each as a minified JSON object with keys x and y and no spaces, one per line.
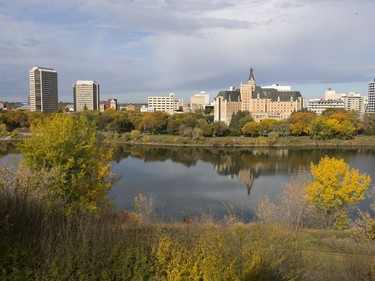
{"x":146,"y":109}
{"x":352,"y":100}
{"x":319,"y":105}
{"x":168,"y":104}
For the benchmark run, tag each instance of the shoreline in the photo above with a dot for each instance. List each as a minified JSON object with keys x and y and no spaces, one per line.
{"x":243,"y":142}
{"x":359,"y":141}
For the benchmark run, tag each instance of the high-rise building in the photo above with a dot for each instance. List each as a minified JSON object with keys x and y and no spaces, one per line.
{"x":86,"y":95}
{"x":43,"y":89}
{"x":371,"y":97}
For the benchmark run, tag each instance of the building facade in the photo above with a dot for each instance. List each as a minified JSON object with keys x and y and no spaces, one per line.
{"x":352,"y":101}
{"x":371,"y":97}
{"x":168,"y":104}
{"x":225,"y":104}
{"x":86,"y":95}
{"x":320,"y":105}
{"x":274,"y":102}
{"x":43,"y":89}
{"x":199,"y":101}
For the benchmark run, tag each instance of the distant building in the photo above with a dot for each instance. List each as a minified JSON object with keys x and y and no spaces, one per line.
{"x":2,"y":105}
{"x":86,"y":95}
{"x":320,"y":105}
{"x":168,"y":104}
{"x":371,"y":97}
{"x":130,"y":107}
{"x":147,"y":109}
{"x":275,"y":102}
{"x":225,"y":104}
{"x":113,"y":104}
{"x":25,"y":106}
{"x":352,"y":100}
{"x":199,"y":101}
{"x":43,"y":89}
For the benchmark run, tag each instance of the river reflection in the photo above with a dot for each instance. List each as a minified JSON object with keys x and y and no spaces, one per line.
{"x":189,"y":181}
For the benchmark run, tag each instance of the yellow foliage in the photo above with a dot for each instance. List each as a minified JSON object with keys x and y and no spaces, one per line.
{"x":68,"y":145}
{"x":335,"y":187}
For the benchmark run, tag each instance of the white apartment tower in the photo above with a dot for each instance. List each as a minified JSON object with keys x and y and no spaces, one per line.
{"x":43,"y":89}
{"x":86,"y":95}
{"x":371,"y":97}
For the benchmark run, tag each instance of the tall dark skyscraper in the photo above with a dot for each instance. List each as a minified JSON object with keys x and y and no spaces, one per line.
{"x":371,"y":97}
{"x":43,"y":89}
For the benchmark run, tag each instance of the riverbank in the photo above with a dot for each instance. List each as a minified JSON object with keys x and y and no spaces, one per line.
{"x":230,"y":141}
{"x":304,"y":141}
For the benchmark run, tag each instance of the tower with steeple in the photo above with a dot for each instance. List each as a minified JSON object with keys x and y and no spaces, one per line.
{"x":246,"y":91}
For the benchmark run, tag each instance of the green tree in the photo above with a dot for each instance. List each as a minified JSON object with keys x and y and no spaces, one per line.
{"x":219,"y":129}
{"x":369,"y":124}
{"x":319,"y":128}
{"x":67,"y":146}
{"x":334,"y":188}
{"x":238,"y":120}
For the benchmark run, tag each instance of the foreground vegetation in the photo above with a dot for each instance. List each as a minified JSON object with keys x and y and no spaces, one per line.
{"x":56,"y":224}
{"x":38,"y":241}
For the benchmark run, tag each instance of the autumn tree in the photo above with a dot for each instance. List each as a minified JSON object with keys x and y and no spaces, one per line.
{"x":154,"y":122}
{"x":300,"y":121}
{"x":334,"y":189}
{"x":251,"y":128}
{"x":67,"y":146}
{"x":267,"y":126}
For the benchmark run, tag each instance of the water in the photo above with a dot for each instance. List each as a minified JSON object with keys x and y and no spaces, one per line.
{"x":189,"y":181}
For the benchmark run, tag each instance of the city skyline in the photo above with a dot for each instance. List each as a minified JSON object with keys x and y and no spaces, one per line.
{"x":139,"y":49}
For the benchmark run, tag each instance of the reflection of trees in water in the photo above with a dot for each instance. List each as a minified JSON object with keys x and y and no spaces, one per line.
{"x":244,"y":163}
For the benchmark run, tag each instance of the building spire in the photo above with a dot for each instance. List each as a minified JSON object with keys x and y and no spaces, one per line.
{"x":251,"y":75}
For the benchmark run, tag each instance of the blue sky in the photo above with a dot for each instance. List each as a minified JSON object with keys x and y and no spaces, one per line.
{"x":138,"y":48}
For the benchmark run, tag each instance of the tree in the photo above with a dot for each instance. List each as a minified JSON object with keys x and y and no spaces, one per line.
{"x":154,"y":122}
{"x":369,"y":124}
{"x":68,"y":147}
{"x":266,"y":126}
{"x":238,"y":120}
{"x":251,"y":128}
{"x":219,"y":129}
{"x":334,"y":188}
{"x":319,"y":128}
{"x":300,"y":122}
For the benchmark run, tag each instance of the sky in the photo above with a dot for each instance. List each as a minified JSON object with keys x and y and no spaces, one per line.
{"x":138,"y":48}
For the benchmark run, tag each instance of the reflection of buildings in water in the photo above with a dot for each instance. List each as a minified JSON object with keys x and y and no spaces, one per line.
{"x":246,"y":176}
{"x":250,"y":165}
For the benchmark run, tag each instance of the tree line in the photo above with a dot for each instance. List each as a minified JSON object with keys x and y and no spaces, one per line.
{"x":333,"y":123}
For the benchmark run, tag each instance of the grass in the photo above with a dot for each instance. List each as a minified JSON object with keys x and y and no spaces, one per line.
{"x":39,"y":242}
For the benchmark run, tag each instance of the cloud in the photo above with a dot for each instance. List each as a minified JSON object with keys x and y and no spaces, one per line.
{"x":138,"y":48}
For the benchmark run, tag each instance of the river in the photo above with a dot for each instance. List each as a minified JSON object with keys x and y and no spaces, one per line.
{"x":189,"y":181}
